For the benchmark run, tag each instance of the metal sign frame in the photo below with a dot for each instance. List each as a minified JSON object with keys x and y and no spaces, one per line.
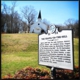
{"x":57,"y":33}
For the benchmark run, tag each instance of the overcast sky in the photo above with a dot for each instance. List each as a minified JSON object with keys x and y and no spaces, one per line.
{"x":56,"y":12}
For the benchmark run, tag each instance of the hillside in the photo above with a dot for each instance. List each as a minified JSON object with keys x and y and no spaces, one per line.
{"x":21,"y":50}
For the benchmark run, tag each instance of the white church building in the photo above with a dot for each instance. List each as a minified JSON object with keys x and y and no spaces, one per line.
{"x":39,"y":27}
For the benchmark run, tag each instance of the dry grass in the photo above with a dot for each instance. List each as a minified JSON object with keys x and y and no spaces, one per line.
{"x":17,"y":42}
{"x":21,"y":50}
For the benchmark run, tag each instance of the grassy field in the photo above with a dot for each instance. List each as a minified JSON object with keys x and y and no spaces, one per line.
{"x":21,"y":50}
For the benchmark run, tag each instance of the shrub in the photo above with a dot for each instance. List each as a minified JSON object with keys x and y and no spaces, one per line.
{"x":29,"y":73}
{"x":36,"y":73}
{"x":67,"y":74}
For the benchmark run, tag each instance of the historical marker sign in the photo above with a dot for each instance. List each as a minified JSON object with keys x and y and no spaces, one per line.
{"x":56,"y":50}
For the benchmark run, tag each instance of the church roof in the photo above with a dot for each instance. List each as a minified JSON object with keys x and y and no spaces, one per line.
{"x":39,"y":16}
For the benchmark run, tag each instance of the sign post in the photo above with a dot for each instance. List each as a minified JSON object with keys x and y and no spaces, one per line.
{"x":56,"y":49}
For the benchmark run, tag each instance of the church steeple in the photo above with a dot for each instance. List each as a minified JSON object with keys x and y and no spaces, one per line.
{"x":39,"y":16}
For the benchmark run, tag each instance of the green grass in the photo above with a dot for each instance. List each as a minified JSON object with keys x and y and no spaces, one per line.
{"x":76,"y":51}
{"x":21,"y":50}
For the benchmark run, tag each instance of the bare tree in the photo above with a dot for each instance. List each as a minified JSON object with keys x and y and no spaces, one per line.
{"x":12,"y":19}
{"x":16,"y":22}
{"x":69,"y":23}
{"x":12,"y":14}
{"x":5,"y":9}
{"x":29,"y":14}
{"x":5,"y":18}
{"x":9,"y":14}
{"x":2,"y":22}
{"x":76,"y":28}
{"x":24,"y":26}
{"x":73,"y":24}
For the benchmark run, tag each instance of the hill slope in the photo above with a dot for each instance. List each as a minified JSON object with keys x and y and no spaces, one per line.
{"x":21,"y":50}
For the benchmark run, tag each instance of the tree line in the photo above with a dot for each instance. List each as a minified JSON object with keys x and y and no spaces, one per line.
{"x":70,"y":24}
{"x":12,"y":21}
